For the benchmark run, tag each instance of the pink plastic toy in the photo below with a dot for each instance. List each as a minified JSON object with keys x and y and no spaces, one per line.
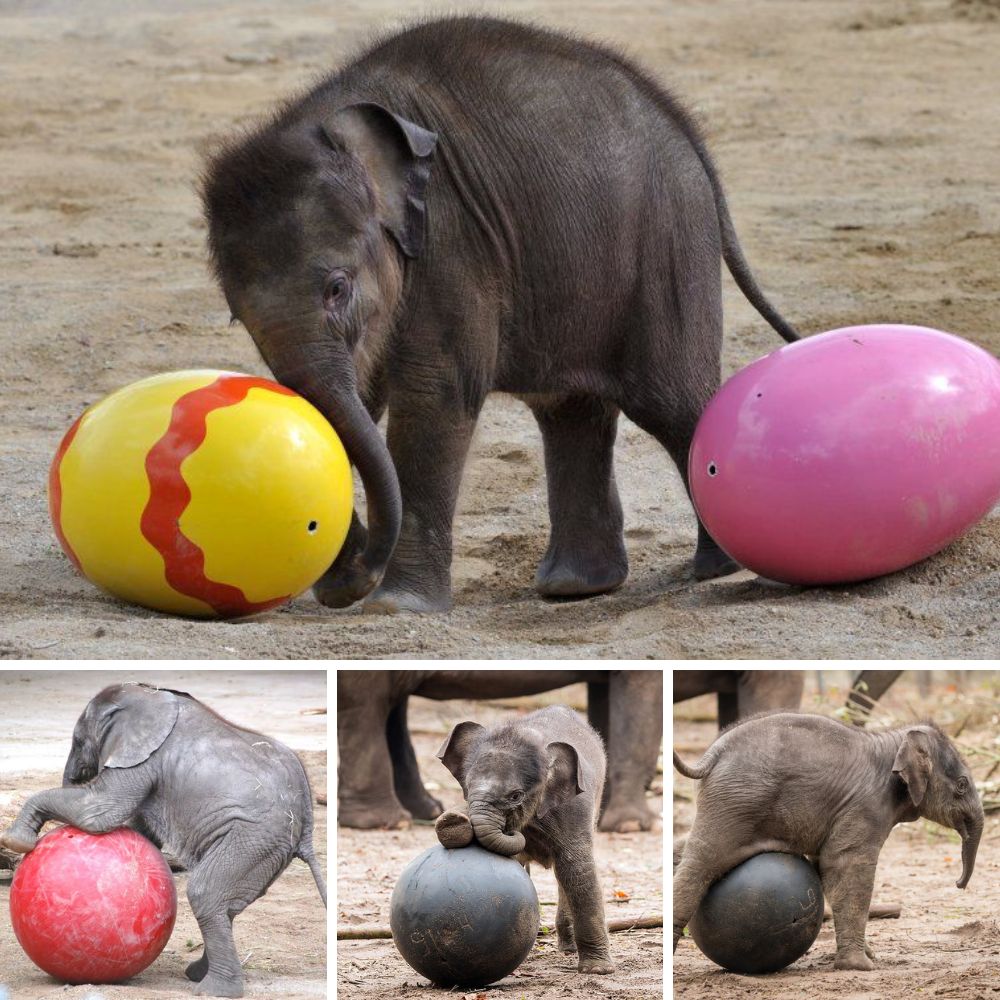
{"x":850,"y":454}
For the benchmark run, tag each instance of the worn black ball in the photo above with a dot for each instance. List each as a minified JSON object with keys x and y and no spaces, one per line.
{"x":762,"y":915}
{"x":464,"y":917}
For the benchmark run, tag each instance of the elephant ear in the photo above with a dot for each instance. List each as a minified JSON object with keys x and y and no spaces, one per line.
{"x":913,"y":764}
{"x":134,"y":723}
{"x":564,"y":780}
{"x":397,"y":155}
{"x":456,"y":748}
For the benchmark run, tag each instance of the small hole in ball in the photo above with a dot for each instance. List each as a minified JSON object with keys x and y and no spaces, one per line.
{"x":312,"y":527}
{"x":713,"y":469}
{"x":759,"y":394}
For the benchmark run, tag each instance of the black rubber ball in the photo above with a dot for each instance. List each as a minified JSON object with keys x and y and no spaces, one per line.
{"x":464,"y":917}
{"x":762,"y":915}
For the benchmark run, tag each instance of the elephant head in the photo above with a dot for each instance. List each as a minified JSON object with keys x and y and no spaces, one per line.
{"x":509,"y":777}
{"x":120,"y":727}
{"x":940,"y":787}
{"x":310,"y":224}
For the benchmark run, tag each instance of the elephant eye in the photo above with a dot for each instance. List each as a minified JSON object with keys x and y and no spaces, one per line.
{"x":516,"y":795}
{"x":337,"y":290}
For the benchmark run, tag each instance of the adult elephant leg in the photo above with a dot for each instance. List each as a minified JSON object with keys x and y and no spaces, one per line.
{"x":429,"y":433}
{"x":366,"y":796}
{"x":635,"y":732}
{"x":405,"y":771}
{"x":586,"y":551}
{"x":768,"y":690}
{"x":597,"y":716}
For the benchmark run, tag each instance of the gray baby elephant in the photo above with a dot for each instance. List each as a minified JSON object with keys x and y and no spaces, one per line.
{"x":805,"y":784}
{"x":533,"y":789}
{"x":233,"y":806}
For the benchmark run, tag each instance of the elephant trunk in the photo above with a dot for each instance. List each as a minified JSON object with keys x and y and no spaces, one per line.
{"x":970,"y":845}
{"x":76,"y":771}
{"x":342,"y":407}
{"x":487,"y":824}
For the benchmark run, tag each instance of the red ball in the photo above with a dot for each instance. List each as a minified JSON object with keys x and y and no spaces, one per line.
{"x":93,"y":908}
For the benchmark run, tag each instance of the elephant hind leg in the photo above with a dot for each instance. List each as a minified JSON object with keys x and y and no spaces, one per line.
{"x":564,"y":925}
{"x":586,"y":552}
{"x":220,"y":887}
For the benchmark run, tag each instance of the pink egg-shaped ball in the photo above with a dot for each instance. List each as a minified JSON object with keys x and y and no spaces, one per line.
{"x":850,"y":454}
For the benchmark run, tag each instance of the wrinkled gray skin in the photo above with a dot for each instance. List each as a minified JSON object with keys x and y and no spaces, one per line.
{"x":476,"y":206}
{"x":233,"y":806}
{"x":532,"y":790}
{"x":378,"y":780}
{"x":804,"y":784}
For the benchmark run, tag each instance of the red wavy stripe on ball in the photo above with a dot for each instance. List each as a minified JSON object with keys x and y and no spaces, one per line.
{"x":184,"y":561}
{"x":55,"y":491}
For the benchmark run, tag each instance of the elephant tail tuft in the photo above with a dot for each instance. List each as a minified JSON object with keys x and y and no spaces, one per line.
{"x":697,"y":771}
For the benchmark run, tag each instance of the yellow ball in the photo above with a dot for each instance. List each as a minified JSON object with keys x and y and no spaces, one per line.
{"x":202,"y":493}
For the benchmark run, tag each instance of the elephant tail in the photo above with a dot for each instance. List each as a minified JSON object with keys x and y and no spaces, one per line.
{"x":308,"y":855}
{"x":697,"y":771}
{"x":739,"y":268}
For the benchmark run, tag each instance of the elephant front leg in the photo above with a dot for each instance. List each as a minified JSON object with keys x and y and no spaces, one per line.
{"x":94,"y":808}
{"x":429,"y":435}
{"x":580,"y":887}
{"x":586,"y":551}
{"x":564,"y":925}
{"x":848,"y":882}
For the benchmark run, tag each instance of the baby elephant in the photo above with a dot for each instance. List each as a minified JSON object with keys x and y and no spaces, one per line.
{"x":805,"y":784}
{"x":231,"y":805}
{"x":533,"y":789}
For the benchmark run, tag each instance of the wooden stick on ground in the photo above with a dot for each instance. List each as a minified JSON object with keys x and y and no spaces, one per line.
{"x":369,"y":932}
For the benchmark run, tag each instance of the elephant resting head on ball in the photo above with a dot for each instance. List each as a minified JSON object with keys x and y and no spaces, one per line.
{"x":805,"y":784}
{"x":533,"y":789}
{"x":232,"y":806}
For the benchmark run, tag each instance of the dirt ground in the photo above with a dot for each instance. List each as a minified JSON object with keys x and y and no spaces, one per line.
{"x":946,"y":941}
{"x":858,"y":139}
{"x":369,"y":862}
{"x":281,"y":938}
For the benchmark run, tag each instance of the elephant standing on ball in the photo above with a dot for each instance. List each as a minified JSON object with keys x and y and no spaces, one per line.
{"x":472,"y":206}
{"x":805,"y":784}
{"x":532,"y":789}
{"x":231,"y":805}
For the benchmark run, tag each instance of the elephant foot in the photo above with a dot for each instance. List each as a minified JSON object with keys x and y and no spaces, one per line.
{"x":197,"y":970}
{"x":628,"y":819}
{"x":580,"y":575}
{"x":379,"y":817}
{"x":855,"y":960}
{"x":421,"y":807}
{"x":711,"y":562}
{"x":595,"y":966}
{"x":217,"y":986}
{"x":342,"y":586}
{"x":454,"y":829}
{"x":386,"y":601}
{"x":18,"y":841}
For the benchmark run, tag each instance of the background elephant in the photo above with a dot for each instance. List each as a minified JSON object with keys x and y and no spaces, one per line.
{"x":743,"y":693}
{"x":532,"y":788}
{"x":379,"y":783}
{"x":413,"y":234}
{"x":805,"y":784}
{"x":233,"y":806}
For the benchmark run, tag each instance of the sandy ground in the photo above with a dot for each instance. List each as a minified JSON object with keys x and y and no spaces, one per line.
{"x":282,"y":936}
{"x":946,"y":942}
{"x":369,"y":862}
{"x":858,"y":139}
